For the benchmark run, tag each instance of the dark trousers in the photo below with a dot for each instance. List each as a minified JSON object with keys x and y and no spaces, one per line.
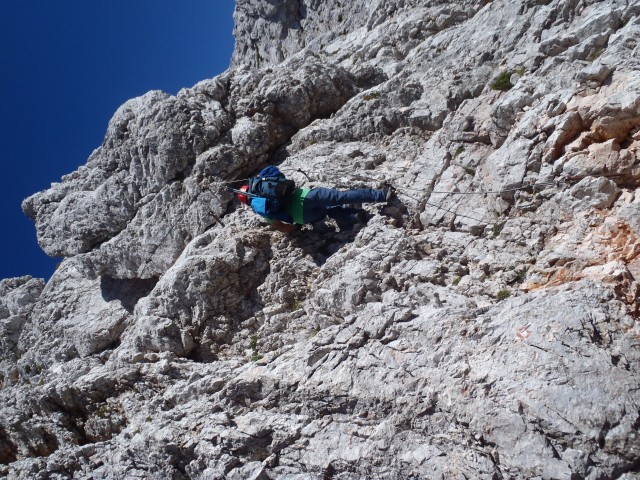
{"x":322,"y":202}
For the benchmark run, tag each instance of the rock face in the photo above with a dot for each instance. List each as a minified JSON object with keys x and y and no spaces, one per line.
{"x":484,"y":324}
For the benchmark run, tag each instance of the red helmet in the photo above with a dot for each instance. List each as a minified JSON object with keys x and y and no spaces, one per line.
{"x":242,"y":197}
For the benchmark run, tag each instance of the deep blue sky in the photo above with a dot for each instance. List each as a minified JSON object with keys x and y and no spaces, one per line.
{"x":65,"y":68}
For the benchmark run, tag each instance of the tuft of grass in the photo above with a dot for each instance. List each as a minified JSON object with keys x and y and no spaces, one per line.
{"x":470,"y":171}
{"x":503,"y":294}
{"x":255,"y":356}
{"x":502,"y":82}
{"x":102,"y":412}
{"x":520,"y":71}
{"x":497,"y":228}
{"x":456,"y":281}
{"x":459,"y":150}
{"x":371,"y":96}
{"x":593,"y":56}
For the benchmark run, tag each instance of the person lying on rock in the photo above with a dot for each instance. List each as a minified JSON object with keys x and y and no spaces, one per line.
{"x":285,"y":206}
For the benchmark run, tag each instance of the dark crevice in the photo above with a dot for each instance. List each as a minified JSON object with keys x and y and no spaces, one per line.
{"x":329,"y":472}
{"x":554,"y":451}
{"x":113,"y":345}
{"x":47,"y":447}
{"x":595,"y":335}
{"x":603,"y":433}
{"x":178,"y":177}
{"x":629,"y":468}
{"x":8,"y":449}
{"x":128,"y":291}
{"x":75,"y":425}
{"x":97,"y":243}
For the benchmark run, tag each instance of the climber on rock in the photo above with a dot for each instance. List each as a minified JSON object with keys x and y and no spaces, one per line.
{"x":285,"y":206}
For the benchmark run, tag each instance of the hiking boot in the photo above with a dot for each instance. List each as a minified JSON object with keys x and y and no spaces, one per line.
{"x":389,"y":194}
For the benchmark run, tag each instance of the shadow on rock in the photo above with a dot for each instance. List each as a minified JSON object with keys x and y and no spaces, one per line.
{"x":324,"y":240}
{"x":127,"y":290}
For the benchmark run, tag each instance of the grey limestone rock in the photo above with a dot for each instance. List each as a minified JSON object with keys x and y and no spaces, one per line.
{"x":482,"y":324}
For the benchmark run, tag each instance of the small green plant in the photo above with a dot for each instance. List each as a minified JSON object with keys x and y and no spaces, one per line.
{"x":594,"y":55}
{"x":149,"y":418}
{"x":456,"y":281}
{"x":296,"y":305}
{"x":27,"y":369}
{"x":255,"y":356}
{"x":470,"y":171}
{"x":522,"y":274}
{"x":459,"y":150}
{"x":102,"y":412}
{"x":502,"y":82}
{"x":497,"y":228}
{"x":503,"y":294}
{"x":340,"y":18}
{"x":520,"y":71}
{"x":371,"y":96}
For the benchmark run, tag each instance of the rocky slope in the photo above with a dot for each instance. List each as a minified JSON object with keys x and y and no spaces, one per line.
{"x":483,"y":325}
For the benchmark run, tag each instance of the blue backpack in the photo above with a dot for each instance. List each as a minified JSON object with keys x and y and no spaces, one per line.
{"x":270,"y":191}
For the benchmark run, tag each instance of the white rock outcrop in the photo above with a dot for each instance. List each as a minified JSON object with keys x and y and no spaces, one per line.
{"x":484,"y":324}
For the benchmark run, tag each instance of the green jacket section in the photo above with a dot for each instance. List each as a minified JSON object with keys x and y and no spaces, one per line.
{"x":295,"y":205}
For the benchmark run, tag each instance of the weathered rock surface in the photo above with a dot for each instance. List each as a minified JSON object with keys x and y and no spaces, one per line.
{"x":482,"y":325}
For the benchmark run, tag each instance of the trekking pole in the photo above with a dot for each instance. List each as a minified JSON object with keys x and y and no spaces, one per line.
{"x":300,"y":170}
{"x":241,"y":192}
